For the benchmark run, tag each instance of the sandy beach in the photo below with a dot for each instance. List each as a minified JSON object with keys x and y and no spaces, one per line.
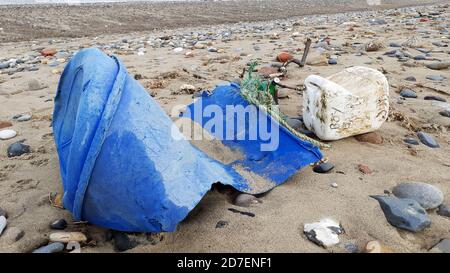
{"x":144,"y":37}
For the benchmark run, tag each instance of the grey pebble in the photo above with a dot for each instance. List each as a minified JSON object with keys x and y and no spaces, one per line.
{"x":428,"y":196}
{"x":428,"y":140}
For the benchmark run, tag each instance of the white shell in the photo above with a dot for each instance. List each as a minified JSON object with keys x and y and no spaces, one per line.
{"x":352,"y":102}
{"x":7,"y":134}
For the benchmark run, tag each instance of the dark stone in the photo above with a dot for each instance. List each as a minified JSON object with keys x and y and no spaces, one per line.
{"x":221,"y":224}
{"x":332,"y":61}
{"x":428,"y":196}
{"x":122,"y":242}
{"x":404,"y":213}
{"x":434,"y":98}
{"x":420,"y":58}
{"x":408,"y":93}
{"x":411,"y":141}
{"x":411,"y":79}
{"x":18,"y":149}
{"x":445,"y":113}
{"x":444,"y":210}
{"x":428,"y":140}
{"x":59,"y":224}
{"x":323,"y":168}
{"x":395,"y":45}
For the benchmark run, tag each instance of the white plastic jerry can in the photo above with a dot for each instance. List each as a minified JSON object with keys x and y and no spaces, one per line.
{"x":352,"y":102}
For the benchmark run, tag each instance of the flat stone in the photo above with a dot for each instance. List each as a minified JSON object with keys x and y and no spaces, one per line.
{"x":13,"y":234}
{"x":438,"y":65}
{"x":373,"y":137}
{"x":444,"y":210}
{"x":438,"y":78}
{"x":323,"y":233}
{"x":7,"y":134}
{"x":408,"y":93}
{"x":50,"y":248}
{"x":445,"y":113}
{"x":411,"y":79}
{"x":18,"y":149}
{"x":245,"y":200}
{"x":65,"y":237}
{"x":323,"y":168}
{"x":428,"y":196}
{"x":442,"y":247}
{"x":411,"y":141}
{"x":404,"y":213}
{"x":332,"y":61}
{"x":420,"y":58}
{"x":428,"y":140}
{"x":437,"y":98}
{"x":24,"y":117}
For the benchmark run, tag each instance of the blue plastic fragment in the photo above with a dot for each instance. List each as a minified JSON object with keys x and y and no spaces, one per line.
{"x":120,"y":165}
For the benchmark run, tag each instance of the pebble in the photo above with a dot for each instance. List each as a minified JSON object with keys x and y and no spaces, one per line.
{"x":284,"y":57}
{"x":364,"y":169}
{"x":395,"y":45}
{"x":221,"y":224}
{"x":438,"y":65}
{"x":428,"y":196}
{"x":50,"y":248}
{"x":408,"y":93}
{"x":438,"y":78}
{"x":334,"y":185}
{"x":323,"y":168}
{"x":411,"y":141}
{"x":373,"y":137}
{"x":411,"y":79}
{"x":323,"y":233}
{"x":420,"y":58}
{"x":295,"y":123}
{"x":3,"y":224}
{"x":437,"y":98}
{"x":5,"y":124}
{"x":332,"y":61}
{"x":445,"y":113}
{"x":59,"y":224}
{"x":404,"y":213}
{"x":18,"y":149}
{"x":7,"y":134}
{"x":442,"y":247}
{"x":13,"y":234}
{"x":428,"y":140}
{"x":24,"y":117}
{"x":65,"y":237}
{"x":122,"y":242}
{"x":46,"y":52}
{"x":444,"y":210}
{"x":245,"y":200}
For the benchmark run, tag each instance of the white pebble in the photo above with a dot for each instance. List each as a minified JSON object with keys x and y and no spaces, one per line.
{"x":3,"y":223}
{"x":7,"y":134}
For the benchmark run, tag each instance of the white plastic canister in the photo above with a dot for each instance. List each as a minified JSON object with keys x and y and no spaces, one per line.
{"x":352,"y":102}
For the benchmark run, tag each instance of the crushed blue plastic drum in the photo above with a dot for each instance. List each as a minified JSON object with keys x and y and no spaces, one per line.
{"x":121,"y":166}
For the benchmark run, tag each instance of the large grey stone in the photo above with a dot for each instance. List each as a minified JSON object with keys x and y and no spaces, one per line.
{"x":404,"y":213}
{"x":428,"y":196}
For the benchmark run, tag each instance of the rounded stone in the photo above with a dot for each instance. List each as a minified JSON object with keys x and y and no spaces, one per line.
{"x":428,"y":196}
{"x":323,"y":168}
{"x":408,"y":93}
{"x":18,"y":149}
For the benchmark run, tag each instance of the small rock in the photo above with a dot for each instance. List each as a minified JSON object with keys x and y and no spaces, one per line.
{"x":373,"y":137}
{"x":411,"y":79}
{"x":438,"y":78}
{"x":442,"y":247}
{"x":59,"y":224}
{"x":411,"y":141}
{"x":24,"y":117}
{"x":294,"y":123}
{"x":351,"y":248}
{"x":46,"y":52}
{"x":122,"y":242}
{"x":221,"y":224}
{"x":332,"y":61}
{"x":404,"y":213}
{"x":284,"y":57}
{"x":7,"y":134}
{"x":364,"y":169}
{"x":438,"y":65}
{"x":334,"y":185}
{"x":437,"y":98}
{"x":408,"y":93}
{"x":18,"y":149}
{"x":323,"y":168}
{"x":51,"y":248}
{"x":395,"y":45}
{"x":5,"y":124}
{"x":420,"y":58}
{"x":445,"y":113}
{"x":3,"y":224}
{"x":376,"y":247}
{"x":178,"y":49}
{"x":428,"y":140}
{"x":245,"y":200}
{"x":13,"y":234}
{"x":65,"y":237}
{"x":323,"y":233}
{"x":444,"y":210}
{"x":428,"y":196}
